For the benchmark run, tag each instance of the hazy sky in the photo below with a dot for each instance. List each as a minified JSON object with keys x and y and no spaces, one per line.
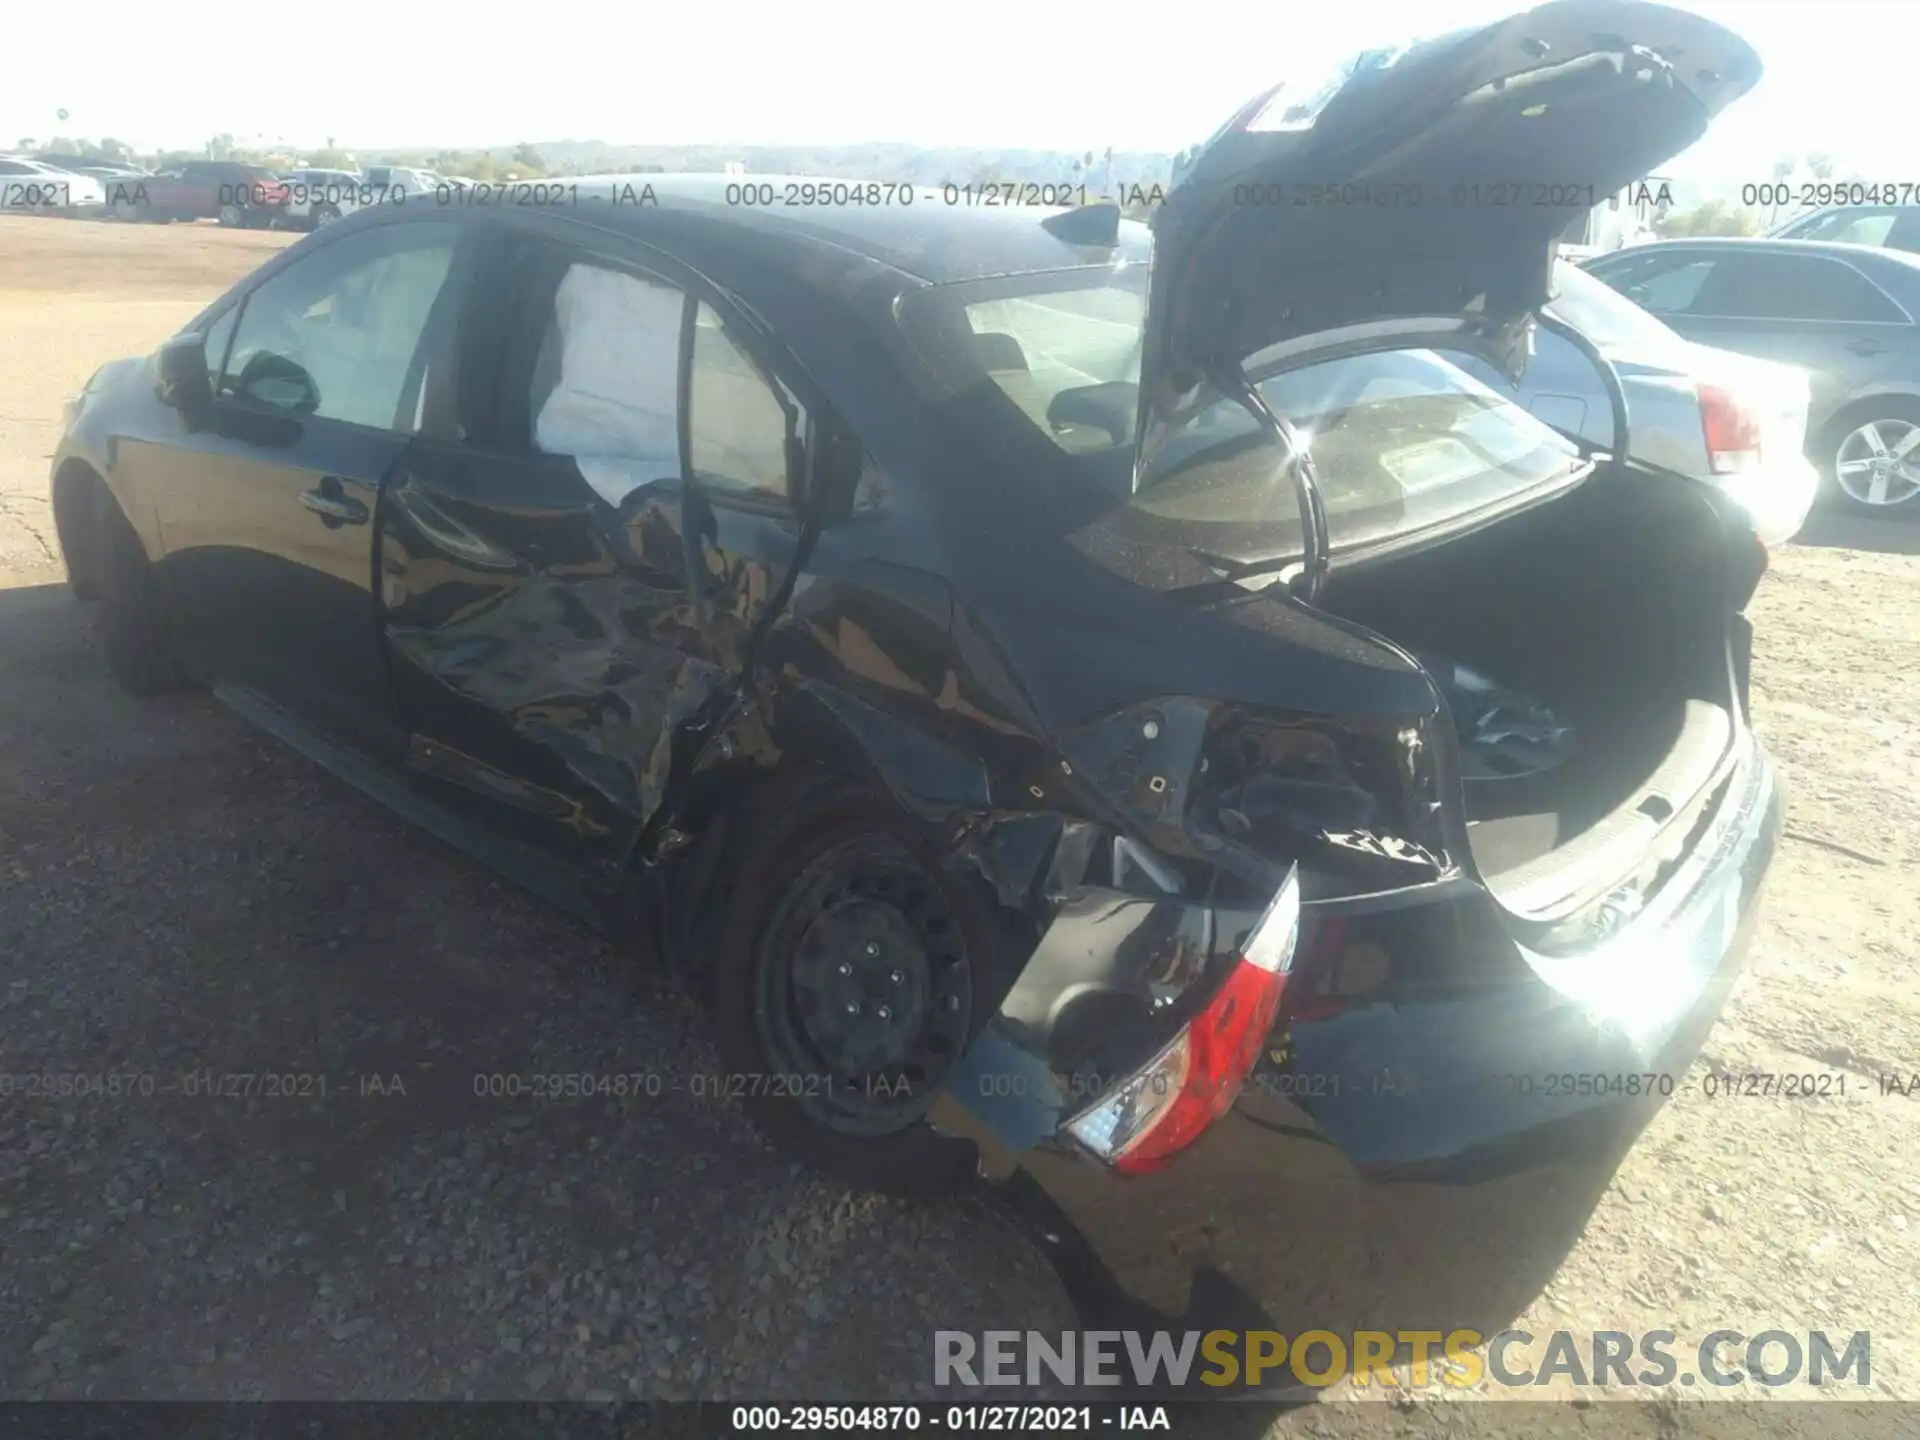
{"x":997,"y":74}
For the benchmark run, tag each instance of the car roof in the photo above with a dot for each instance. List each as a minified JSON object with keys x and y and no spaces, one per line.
{"x":926,"y":238}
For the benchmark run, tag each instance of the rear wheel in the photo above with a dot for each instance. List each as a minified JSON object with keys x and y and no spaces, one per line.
{"x":1872,"y":459}
{"x":232,"y":215}
{"x":131,"y":618}
{"x":325,"y":215}
{"x":849,"y":979}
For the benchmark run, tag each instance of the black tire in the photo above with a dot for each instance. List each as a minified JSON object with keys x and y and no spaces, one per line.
{"x":819,"y":1115}
{"x":131,"y":618}
{"x":1893,"y":419}
{"x":232,"y":215}
{"x":323,"y":214}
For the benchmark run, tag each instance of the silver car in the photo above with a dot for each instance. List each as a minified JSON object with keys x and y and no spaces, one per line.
{"x":1727,"y":419}
{"x":1843,"y":313}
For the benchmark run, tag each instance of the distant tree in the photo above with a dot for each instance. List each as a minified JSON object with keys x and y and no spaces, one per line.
{"x":1820,"y":164}
{"x":331,"y":159}
{"x":221,"y":147}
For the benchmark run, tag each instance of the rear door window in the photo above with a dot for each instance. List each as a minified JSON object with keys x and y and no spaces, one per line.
{"x":739,"y":417}
{"x":607,"y":391}
{"x":606,"y":380}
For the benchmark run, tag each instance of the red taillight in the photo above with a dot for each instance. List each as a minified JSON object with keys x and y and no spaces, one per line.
{"x":1169,"y":1103}
{"x":1222,"y":1043}
{"x":1733,"y":432}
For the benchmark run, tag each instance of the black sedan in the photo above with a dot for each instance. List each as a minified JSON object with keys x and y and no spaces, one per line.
{"x":1119,"y":720}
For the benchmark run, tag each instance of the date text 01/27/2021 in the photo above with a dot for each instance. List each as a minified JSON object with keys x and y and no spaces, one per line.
{"x":958,"y":1419}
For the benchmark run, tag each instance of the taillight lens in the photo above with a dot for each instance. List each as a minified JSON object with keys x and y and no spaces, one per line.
{"x":1169,"y":1102}
{"x":1733,"y":432}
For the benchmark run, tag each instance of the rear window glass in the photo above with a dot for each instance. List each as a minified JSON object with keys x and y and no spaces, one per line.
{"x":1401,"y":441}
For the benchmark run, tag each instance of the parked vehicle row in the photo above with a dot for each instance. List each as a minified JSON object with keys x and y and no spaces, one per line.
{"x":230,"y":191}
{"x":1121,"y":724}
{"x":33,"y":186}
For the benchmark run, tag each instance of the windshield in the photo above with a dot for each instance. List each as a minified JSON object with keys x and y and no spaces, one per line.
{"x":1401,"y":440}
{"x":1601,"y":313}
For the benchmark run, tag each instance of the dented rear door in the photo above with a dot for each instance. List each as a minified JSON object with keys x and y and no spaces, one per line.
{"x":561,"y":594}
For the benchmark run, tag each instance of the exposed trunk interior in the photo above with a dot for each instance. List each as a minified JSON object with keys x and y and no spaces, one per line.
{"x":1603,"y":619}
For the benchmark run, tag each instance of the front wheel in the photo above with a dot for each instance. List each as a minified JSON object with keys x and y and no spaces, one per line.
{"x":1873,"y":461}
{"x":325,"y":215}
{"x":232,"y":216}
{"x":852,"y":973}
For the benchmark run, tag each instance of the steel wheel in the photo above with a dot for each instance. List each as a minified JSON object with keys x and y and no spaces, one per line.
{"x":863,"y":989}
{"x":1877,"y":465}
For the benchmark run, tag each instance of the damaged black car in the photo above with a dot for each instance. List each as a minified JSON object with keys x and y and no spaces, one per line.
{"x":1112,"y":717}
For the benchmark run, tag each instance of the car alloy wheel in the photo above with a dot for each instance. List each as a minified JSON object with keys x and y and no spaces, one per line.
{"x":1878,"y":464}
{"x":863,"y":989}
{"x":325,"y":215}
{"x":231,"y":215}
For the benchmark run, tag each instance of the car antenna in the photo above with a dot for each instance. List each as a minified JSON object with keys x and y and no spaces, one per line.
{"x":1097,"y":223}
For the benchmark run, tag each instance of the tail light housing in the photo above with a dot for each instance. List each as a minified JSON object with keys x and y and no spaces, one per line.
{"x":1733,"y":432}
{"x":1170,"y":1101}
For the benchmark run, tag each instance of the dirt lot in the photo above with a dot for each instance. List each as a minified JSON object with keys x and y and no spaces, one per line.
{"x":176,"y":892}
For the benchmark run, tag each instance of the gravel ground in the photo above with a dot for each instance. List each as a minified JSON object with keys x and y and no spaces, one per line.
{"x":180,"y":896}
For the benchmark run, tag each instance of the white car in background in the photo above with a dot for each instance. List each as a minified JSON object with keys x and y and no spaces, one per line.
{"x":397,"y":184}
{"x":36,"y":187}
{"x":319,"y":197}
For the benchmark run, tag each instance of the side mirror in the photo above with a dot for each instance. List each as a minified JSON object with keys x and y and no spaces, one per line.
{"x":180,"y":376}
{"x":279,"y":383}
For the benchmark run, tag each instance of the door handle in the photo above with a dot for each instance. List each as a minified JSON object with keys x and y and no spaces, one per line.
{"x":1865,"y":346}
{"x":341,"y":509}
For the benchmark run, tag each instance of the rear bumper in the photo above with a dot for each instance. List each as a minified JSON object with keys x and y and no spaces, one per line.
{"x":1424,"y":1155}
